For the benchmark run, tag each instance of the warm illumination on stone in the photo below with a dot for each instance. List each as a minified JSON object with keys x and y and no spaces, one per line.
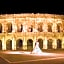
{"x":20,"y":31}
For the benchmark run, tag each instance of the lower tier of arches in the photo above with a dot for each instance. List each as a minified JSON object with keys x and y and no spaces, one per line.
{"x":29,"y":44}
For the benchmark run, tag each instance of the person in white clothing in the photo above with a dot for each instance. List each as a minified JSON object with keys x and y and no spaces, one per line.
{"x":36,"y":49}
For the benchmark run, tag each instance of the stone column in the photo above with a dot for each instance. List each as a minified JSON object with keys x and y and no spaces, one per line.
{"x":24,"y":28}
{"x":14,"y":27}
{"x":24,"y":44}
{"x":63,"y":43}
{"x":3,"y":44}
{"x":4,"y":27}
{"x":45,"y":43}
{"x":34,"y":40}
{"x":13,"y":44}
{"x":54,"y":27}
{"x":54,"y":43}
{"x":45,"y":28}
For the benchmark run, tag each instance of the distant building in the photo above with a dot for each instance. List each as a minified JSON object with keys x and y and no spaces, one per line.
{"x":20,"y":31}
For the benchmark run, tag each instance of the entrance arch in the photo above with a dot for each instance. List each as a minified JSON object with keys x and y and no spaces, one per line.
{"x":49,"y":44}
{"x":19,"y":27}
{"x":9,"y":44}
{"x":30,"y":29}
{"x":40,"y":27}
{"x":50,"y":28}
{"x":19,"y":44}
{"x":29,"y":44}
{"x":58,"y":27}
{"x":40,"y":43}
{"x":9,"y":26}
{"x":59,"y":44}
{"x":0,"y":28}
{"x":0,"y":45}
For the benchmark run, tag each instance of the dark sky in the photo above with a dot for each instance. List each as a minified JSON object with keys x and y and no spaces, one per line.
{"x":16,"y":6}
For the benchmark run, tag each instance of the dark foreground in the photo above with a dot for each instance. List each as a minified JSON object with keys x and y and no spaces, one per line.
{"x":48,"y":57}
{"x":2,"y":61}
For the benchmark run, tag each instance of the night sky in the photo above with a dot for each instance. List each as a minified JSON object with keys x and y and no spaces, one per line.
{"x":16,"y":6}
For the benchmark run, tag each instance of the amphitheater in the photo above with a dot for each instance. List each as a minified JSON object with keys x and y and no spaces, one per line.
{"x":20,"y":31}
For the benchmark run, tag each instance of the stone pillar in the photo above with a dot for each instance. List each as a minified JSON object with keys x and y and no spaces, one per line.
{"x":63,"y":43}
{"x":54,"y":27}
{"x":4,"y":28}
{"x":45,"y":43}
{"x":24,"y":44}
{"x":35,"y":29}
{"x":13,"y":44}
{"x":14,"y":27}
{"x":3,"y":44}
{"x":54,"y":43}
{"x":45,"y":28}
{"x":34,"y":40}
{"x":24,"y":28}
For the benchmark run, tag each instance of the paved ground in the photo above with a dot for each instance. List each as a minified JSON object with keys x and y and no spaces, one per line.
{"x":2,"y":61}
{"x":19,"y":57}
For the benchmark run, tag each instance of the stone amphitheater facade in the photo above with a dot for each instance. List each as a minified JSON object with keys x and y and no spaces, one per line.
{"x":20,"y":31}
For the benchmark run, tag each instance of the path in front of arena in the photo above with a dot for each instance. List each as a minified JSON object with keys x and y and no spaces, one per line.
{"x":21,"y":57}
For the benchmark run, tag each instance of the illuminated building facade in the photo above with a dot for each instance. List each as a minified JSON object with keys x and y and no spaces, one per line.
{"x":20,"y":31}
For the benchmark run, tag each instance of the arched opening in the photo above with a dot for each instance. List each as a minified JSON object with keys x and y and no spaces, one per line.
{"x":30,"y":28}
{"x":20,"y":28}
{"x":9,"y":44}
{"x":19,"y":44}
{"x":0,"y":28}
{"x":40,"y":27}
{"x":0,"y":45}
{"x":58,"y":27}
{"x":40,"y":43}
{"x":59,"y":44}
{"x":49,"y":28}
{"x":49,"y":44}
{"x":29,"y":44}
{"x":9,"y":26}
